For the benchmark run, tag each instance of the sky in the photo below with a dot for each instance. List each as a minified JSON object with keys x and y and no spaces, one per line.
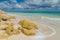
{"x":29,"y":4}
{"x":16,"y":0}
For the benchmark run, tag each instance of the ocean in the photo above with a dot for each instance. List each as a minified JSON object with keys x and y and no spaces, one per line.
{"x":46,"y":14}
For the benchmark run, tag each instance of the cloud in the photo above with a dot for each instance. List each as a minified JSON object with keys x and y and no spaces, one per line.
{"x":17,"y":6}
{"x":13,"y":4}
{"x":55,"y":1}
{"x":41,"y":1}
{"x":4,"y":4}
{"x":33,"y":1}
{"x":27,"y":3}
{"x":13,"y":0}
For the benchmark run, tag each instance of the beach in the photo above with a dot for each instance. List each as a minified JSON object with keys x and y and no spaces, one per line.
{"x":56,"y":25}
{"x":30,"y":19}
{"x":52,"y":22}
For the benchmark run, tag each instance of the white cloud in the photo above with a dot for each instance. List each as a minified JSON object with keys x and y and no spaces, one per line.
{"x":54,"y":1}
{"x":33,"y":1}
{"x":18,"y":6}
{"x":15,"y":4}
{"x":4,"y":4}
{"x":13,"y":0}
{"x":40,"y":1}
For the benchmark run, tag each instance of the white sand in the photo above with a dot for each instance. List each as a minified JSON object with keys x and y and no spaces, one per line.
{"x":53,"y":23}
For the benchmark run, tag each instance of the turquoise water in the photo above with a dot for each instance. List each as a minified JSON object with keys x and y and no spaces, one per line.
{"x":52,"y":15}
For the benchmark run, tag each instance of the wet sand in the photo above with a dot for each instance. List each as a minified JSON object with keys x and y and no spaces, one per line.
{"x":53,"y":23}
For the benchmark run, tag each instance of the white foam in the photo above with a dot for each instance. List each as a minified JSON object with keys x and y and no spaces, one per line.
{"x":49,"y":18}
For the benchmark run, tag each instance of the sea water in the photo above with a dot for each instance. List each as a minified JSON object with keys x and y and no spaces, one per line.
{"x":47,"y":14}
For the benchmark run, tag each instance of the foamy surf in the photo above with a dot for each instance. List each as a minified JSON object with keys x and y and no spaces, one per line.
{"x":49,"y":18}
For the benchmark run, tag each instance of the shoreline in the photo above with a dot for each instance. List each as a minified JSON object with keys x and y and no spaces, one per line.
{"x":53,"y":22}
{"x":41,"y":16}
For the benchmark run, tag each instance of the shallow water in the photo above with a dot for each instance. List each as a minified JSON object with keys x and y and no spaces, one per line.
{"x":50,"y":15}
